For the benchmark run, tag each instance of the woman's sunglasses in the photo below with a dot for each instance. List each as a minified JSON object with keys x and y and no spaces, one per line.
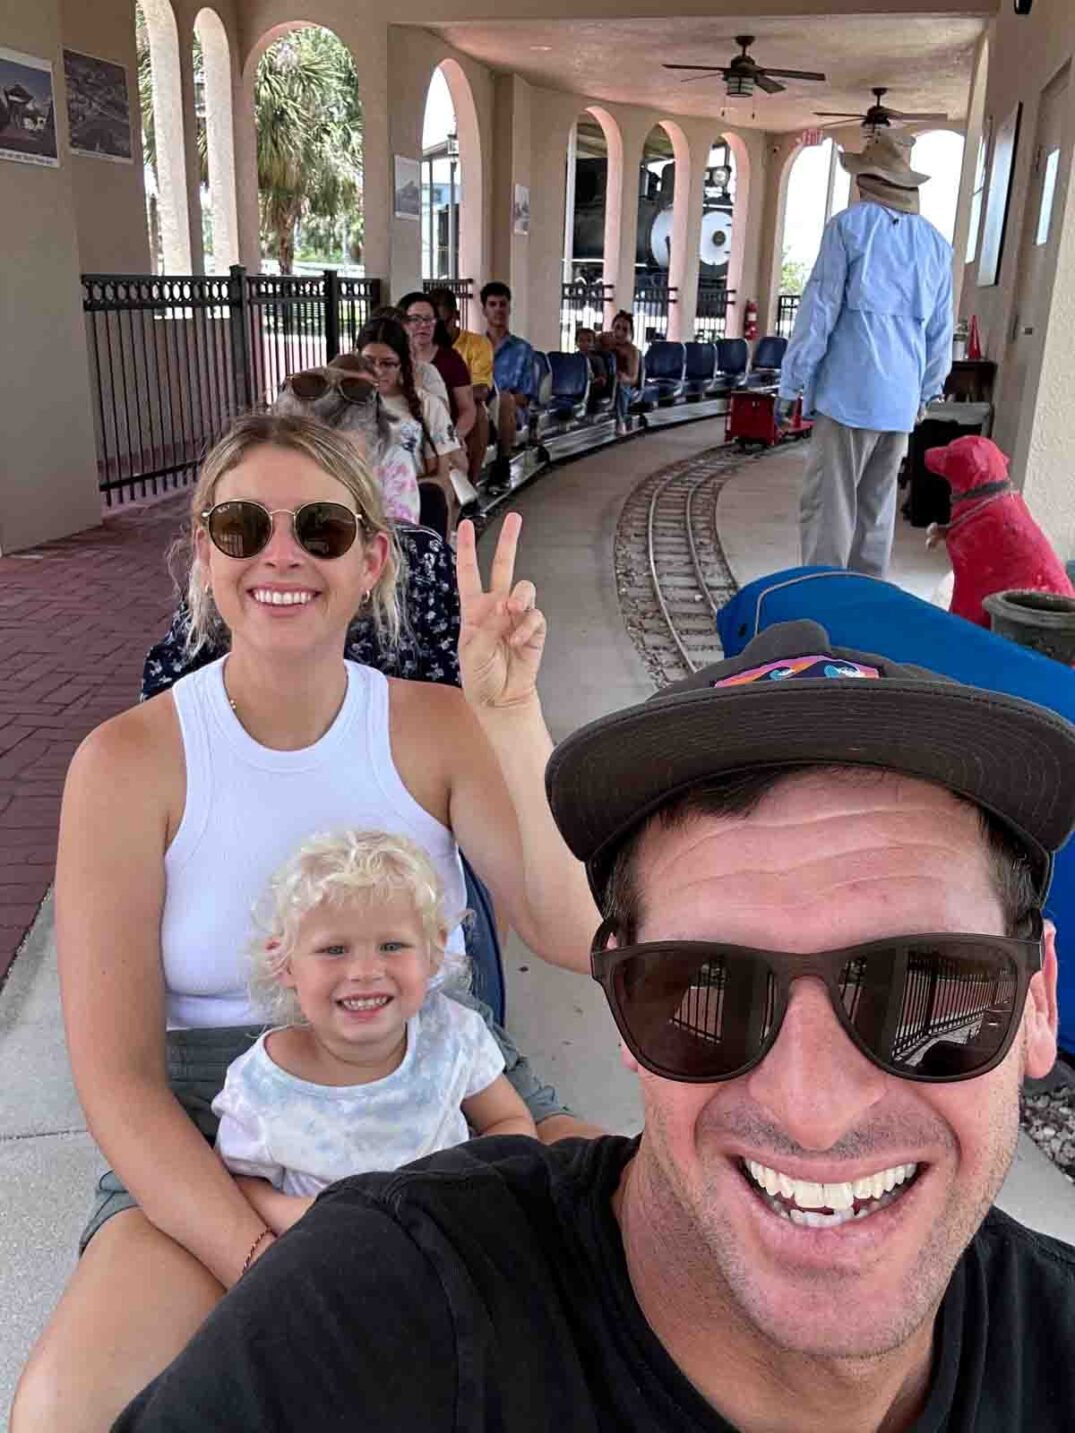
{"x":932,"y":1008}
{"x":314,"y":383}
{"x":242,"y":527}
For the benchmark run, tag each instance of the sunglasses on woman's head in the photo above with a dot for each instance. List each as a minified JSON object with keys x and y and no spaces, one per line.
{"x":931,"y":1008}
{"x":242,"y":527}
{"x":314,"y":383}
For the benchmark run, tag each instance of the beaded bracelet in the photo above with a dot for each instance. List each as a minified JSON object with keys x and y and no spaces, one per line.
{"x":265,"y":1234}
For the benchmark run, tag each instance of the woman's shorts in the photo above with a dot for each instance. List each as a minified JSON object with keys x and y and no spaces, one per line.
{"x":198,"y":1060}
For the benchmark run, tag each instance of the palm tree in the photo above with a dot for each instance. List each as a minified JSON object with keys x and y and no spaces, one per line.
{"x":309,"y":128}
{"x":309,"y":134}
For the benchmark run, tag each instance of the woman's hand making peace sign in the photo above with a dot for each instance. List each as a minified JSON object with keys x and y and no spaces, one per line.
{"x":503,"y":633}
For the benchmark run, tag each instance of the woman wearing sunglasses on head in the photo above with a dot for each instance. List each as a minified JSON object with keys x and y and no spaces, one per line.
{"x":420,"y":423}
{"x":175,"y":813}
{"x":343,"y":396}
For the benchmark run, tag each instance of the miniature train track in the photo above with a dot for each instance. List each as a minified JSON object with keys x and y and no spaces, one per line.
{"x":671,"y":570}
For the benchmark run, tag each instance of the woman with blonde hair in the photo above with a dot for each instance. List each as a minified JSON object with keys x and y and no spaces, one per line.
{"x":176,"y":812}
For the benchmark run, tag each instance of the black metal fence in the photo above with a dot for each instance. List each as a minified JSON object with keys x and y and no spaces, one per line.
{"x":711,"y":316}
{"x":653,"y":298}
{"x":787,"y":311}
{"x":464,"y":293}
{"x":174,"y":358}
{"x":582,"y":305}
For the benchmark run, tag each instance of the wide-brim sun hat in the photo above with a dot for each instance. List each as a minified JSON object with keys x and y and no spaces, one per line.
{"x":885,"y":156}
{"x":792,"y":699}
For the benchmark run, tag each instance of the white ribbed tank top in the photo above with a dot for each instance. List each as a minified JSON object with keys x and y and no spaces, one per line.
{"x":248,"y":808}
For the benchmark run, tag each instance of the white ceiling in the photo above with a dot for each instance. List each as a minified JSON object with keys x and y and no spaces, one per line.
{"x":924,"y":60}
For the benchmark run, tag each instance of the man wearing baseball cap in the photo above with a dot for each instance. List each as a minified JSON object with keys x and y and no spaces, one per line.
{"x":822,"y":876}
{"x":872,"y":346}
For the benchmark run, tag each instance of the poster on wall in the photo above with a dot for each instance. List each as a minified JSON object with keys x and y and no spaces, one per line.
{"x":408,"y":188}
{"x":520,"y":210}
{"x":98,"y":107}
{"x":996,"y":208}
{"x":27,"y":113}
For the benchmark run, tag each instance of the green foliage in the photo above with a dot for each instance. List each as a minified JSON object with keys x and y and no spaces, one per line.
{"x":309,"y":140}
{"x":793,"y":275}
{"x":309,"y":128}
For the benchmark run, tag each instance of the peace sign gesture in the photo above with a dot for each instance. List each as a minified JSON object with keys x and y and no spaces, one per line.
{"x":502,"y":633}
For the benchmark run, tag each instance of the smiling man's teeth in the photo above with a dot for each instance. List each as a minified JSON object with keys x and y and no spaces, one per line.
{"x":801,"y":1200}
{"x":275,"y":597}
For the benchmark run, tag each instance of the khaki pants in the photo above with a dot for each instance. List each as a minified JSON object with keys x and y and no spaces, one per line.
{"x":847,"y":514}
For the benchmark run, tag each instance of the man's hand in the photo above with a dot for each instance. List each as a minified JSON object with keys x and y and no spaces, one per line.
{"x":784,"y":412}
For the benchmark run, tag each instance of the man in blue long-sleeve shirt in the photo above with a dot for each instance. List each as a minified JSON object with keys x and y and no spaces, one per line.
{"x":872,"y":346}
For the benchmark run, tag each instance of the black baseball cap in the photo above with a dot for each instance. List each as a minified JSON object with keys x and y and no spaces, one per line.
{"x":793,"y":699}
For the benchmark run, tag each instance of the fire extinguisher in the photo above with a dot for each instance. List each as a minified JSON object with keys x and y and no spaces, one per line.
{"x":750,"y":320}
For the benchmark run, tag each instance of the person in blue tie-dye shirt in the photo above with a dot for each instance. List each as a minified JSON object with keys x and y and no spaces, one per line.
{"x":513,"y":373}
{"x":369,"y":1065}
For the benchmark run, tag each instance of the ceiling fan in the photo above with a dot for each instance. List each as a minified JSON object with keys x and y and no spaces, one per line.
{"x":879,"y":116}
{"x":744,"y":73}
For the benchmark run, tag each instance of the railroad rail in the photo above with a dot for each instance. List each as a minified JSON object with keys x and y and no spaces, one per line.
{"x":671,"y":571}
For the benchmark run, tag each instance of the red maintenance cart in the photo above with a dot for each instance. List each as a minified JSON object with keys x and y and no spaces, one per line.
{"x":751,"y":420}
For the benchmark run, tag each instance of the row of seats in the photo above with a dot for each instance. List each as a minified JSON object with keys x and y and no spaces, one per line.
{"x":672,"y":373}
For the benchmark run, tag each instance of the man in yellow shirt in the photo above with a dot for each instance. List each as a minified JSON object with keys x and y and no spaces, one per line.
{"x":477,"y":352}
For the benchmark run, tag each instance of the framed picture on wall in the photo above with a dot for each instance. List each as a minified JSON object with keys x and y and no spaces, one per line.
{"x":27,"y":110}
{"x":520,"y":210}
{"x":1005,"y":144}
{"x":408,"y":188}
{"x":98,"y":107}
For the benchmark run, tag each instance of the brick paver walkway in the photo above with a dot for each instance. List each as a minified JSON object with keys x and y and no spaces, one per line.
{"x":76,"y":619}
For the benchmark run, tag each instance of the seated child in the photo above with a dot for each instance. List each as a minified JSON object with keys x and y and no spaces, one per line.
{"x":586,"y":342}
{"x":369,"y":1067}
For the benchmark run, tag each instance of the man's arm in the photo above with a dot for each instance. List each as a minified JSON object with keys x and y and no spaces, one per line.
{"x":323,"y":1332}
{"x":939,"y":341}
{"x":819,"y":308}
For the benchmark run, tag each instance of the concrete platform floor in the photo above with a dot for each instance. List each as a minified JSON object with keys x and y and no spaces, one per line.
{"x":48,"y":1161}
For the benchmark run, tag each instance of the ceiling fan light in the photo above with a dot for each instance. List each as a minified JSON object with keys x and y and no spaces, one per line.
{"x":739,"y":86}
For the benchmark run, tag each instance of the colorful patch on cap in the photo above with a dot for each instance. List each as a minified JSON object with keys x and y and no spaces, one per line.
{"x":790,"y":668}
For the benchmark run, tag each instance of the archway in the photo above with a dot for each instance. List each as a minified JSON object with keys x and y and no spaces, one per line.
{"x":817,"y":187}
{"x":661,"y":238}
{"x":593,"y":176}
{"x":449,"y":91}
{"x":939,"y":153}
{"x":162,"y":135}
{"x":715,"y":241}
{"x":442,"y":184}
{"x":301,"y":83}
{"x":212,"y":74}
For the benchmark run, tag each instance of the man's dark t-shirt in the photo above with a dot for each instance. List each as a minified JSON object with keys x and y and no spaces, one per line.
{"x":484,"y":1290}
{"x":453,"y":369}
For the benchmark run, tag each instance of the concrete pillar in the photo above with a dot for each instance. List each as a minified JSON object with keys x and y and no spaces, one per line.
{"x":246,"y":168}
{"x":634,"y":126}
{"x":173,"y":97}
{"x":779,"y":150}
{"x":743,"y":265}
{"x":48,"y":477}
{"x":511,"y":166}
{"x":220,"y":138}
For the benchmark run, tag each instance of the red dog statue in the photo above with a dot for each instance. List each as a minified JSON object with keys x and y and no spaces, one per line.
{"x":993,"y":542}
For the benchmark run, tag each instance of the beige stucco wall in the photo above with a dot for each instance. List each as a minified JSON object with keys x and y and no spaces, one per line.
{"x":48,"y":480}
{"x":1037,"y":432}
{"x":110,"y":204}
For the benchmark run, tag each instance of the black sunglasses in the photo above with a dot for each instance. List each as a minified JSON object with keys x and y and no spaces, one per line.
{"x":933,"y":1008}
{"x":242,"y":527}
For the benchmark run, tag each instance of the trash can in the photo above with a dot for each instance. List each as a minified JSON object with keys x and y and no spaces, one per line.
{"x":1044,"y":621}
{"x":929,"y":499}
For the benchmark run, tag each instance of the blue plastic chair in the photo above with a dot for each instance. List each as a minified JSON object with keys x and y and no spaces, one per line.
{"x":700,"y":368}
{"x":665,"y":363}
{"x":768,"y":359}
{"x":570,"y":384}
{"x":733,"y":358}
